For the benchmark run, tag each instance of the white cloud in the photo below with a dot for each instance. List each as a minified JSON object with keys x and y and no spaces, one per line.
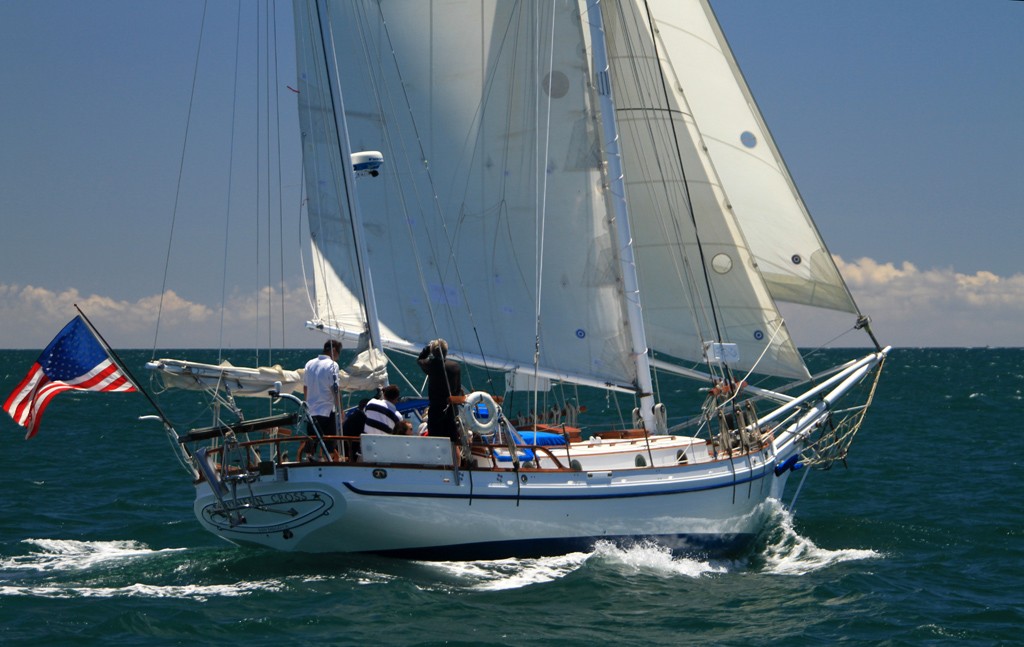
{"x":31,"y":316}
{"x":908,"y":307}
{"x":937,"y":307}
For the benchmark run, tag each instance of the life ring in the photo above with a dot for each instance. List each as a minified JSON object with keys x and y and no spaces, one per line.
{"x":468,"y":414}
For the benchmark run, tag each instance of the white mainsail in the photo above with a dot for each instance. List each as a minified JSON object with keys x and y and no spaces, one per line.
{"x":505,"y":172}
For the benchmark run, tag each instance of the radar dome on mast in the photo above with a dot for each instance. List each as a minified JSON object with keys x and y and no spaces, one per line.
{"x":367,"y":163}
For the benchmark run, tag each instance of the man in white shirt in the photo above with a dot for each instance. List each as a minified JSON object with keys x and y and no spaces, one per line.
{"x":382,"y":415}
{"x":320,"y":389}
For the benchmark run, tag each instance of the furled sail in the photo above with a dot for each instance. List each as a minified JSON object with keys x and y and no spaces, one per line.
{"x":491,"y":198}
{"x":364,"y":373}
{"x":238,"y":380}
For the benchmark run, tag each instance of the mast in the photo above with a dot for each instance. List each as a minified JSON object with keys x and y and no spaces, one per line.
{"x":617,"y":187}
{"x":345,"y":149}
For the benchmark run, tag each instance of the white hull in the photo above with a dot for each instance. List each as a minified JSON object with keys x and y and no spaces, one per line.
{"x":443,"y":513}
{"x":406,"y":498}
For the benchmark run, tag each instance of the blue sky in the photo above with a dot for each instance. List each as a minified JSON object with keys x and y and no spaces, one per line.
{"x":900,"y":121}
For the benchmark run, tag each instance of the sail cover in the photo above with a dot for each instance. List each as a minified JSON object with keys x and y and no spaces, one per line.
{"x":489,"y":224}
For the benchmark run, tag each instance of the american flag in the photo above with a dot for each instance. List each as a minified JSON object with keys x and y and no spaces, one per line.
{"x":75,"y":359}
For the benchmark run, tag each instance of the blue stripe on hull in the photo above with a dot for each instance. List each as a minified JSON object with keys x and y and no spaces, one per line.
{"x":761,"y":474}
{"x":728,"y":545}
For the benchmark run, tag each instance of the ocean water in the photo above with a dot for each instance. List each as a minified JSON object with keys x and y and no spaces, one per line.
{"x":918,"y":540}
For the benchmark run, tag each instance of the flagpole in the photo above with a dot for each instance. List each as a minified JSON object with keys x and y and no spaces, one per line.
{"x":121,"y":365}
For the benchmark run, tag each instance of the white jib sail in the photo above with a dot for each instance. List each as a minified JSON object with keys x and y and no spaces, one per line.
{"x":789,"y":251}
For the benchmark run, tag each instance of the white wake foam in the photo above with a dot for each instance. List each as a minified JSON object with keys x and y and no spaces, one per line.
{"x":503,"y":574}
{"x":189,"y":591}
{"x":513,"y":573}
{"x":65,"y":558}
{"x":648,"y":558}
{"x":67,"y":554}
{"x":789,"y":553}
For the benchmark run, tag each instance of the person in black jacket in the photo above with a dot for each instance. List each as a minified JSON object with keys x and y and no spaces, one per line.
{"x":444,"y":379}
{"x":353,"y":427}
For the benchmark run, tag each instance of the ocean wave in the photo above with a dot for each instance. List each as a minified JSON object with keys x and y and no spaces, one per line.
{"x":66,"y":566}
{"x":200,"y":592}
{"x":649,"y":558}
{"x":512,"y":573}
{"x":68,"y":554}
{"x":787,"y":552}
{"x":645,"y":558}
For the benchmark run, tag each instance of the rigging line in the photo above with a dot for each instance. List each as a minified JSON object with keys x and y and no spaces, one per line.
{"x":272,"y":124}
{"x":361,"y":28}
{"x":501,"y":205}
{"x":670,"y":225}
{"x":682,"y":169}
{"x":542,"y":211}
{"x":405,"y":378}
{"x":741,"y":244}
{"x":512,"y":30}
{"x":704,"y":312}
{"x":511,"y":33}
{"x":423,"y":158}
{"x":181,"y":170}
{"x":258,"y":146}
{"x":280,"y":180}
{"x":424,"y":167}
{"x":269,"y":190}
{"x":231,"y":169}
{"x":827,"y":344}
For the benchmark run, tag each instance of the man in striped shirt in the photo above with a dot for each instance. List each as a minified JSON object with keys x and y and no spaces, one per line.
{"x":382,"y":415}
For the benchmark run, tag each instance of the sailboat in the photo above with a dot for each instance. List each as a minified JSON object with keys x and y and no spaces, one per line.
{"x":573,"y":192}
